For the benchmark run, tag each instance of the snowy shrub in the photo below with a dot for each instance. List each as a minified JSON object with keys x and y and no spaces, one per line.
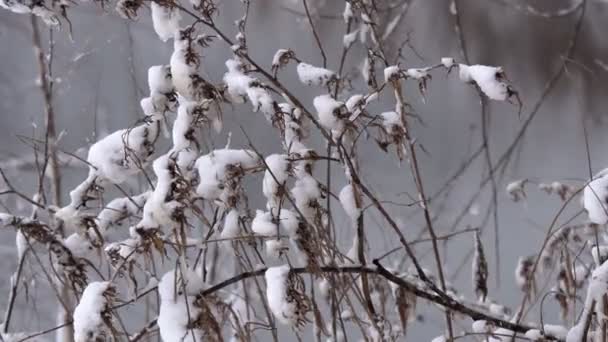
{"x":254,"y":244}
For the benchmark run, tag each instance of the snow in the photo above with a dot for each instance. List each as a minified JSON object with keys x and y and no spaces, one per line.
{"x":417,"y":74}
{"x":15,"y":336}
{"x":165,"y":20}
{"x":185,"y":66}
{"x":289,"y":222}
{"x":347,"y":199}
{"x":533,"y":334}
{"x":392,"y":122}
{"x":276,"y":292}
{"x":236,"y":81}
{"x":213,"y":170}
{"x":46,"y":15}
{"x":324,"y":287}
{"x":262,"y":224}
{"x":88,"y":320}
{"x":349,"y":39}
{"x":118,"y":209}
{"x":516,"y":189}
{"x":296,"y":128}
{"x":447,"y":62}
{"x":329,"y":111}
{"x":554,"y":330}
{"x":275,"y":176}
{"x":121,"y":250}
{"x":159,"y":78}
{"x":79,"y":245}
{"x":603,"y":253}
{"x":261,"y":100}
{"x":576,"y":333}
{"x":499,"y":335}
{"x":21,"y":243}
{"x":305,"y":192}
{"x":281,"y":57}
{"x":274,"y":248}
{"x":122,"y":153}
{"x":480,"y":327}
{"x":595,"y":197}
{"x":241,"y":86}
{"x":355,"y":104}
{"x":178,"y":292}
{"x":158,"y":212}
{"x":347,"y":15}
{"x":391,"y":72}
{"x":314,"y":76}
{"x":15,"y":6}
{"x":557,"y":331}
{"x":488,"y":78}
{"x":231,"y":225}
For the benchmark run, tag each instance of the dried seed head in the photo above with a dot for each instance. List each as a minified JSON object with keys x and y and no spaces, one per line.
{"x":480,"y":270}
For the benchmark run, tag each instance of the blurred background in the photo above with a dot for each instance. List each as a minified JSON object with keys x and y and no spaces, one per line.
{"x":100,"y":74}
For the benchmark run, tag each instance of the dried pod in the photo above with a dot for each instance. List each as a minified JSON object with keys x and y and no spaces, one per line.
{"x":480,"y":270}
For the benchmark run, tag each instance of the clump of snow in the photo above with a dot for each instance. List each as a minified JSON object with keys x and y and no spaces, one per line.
{"x":237,"y":81}
{"x":350,"y":38}
{"x":241,"y":86}
{"x":78,"y":244}
{"x":392,"y":72}
{"x":275,"y":176}
{"x":347,"y":14}
{"x":119,"y":251}
{"x":89,"y":321}
{"x":392,"y":122}
{"x":274,"y":248}
{"x":447,"y":62}
{"x":217,"y":167}
{"x":118,"y":209}
{"x":185,"y":66}
{"x":123,"y":153}
{"x":595,"y":197}
{"x":314,"y":76}
{"x":159,"y":208}
{"x":349,"y":203}
{"x":231,"y":225}
{"x":266,"y":225}
{"x":262,"y":224}
{"x":296,"y":128}
{"x":480,"y":327}
{"x":561,"y":189}
{"x":489,"y":79}
{"x":15,"y":6}
{"x":306,"y":193}
{"x":602,"y":256}
{"x":46,"y":15}
{"x":13,"y":336}
{"x":276,"y":292}
{"x":330,"y":111}
{"x":516,"y":190}
{"x":159,"y":79}
{"x":576,"y":333}
{"x":178,"y":291}
{"x":355,"y":105}
{"x":165,"y":20}
{"x":417,"y":74}
{"x":556,"y":331}
{"x":440,"y":338}
{"x":281,"y":58}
